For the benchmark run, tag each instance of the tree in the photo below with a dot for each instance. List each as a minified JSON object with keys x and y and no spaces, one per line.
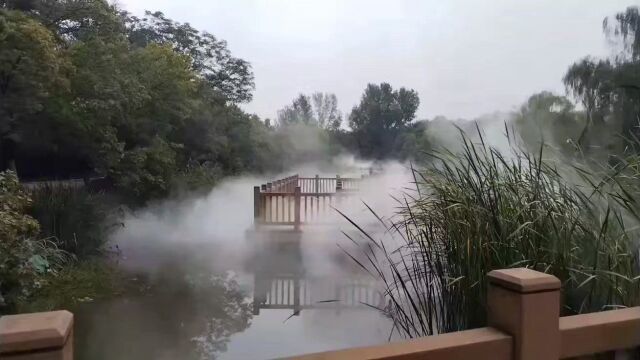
{"x":609,"y":89}
{"x":625,"y":29}
{"x":145,"y":105}
{"x":210,"y":57}
{"x":31,"y":67}
{"x":318,"y":110}
{"x":298,"y":113}
{"x":551,"y":120}
{"x":327,"y":115}
{"x":72,"y":20}
{"x":381,"y":115}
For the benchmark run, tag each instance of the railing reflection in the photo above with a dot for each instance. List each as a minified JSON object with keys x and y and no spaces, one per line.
{"x":281,"y":282}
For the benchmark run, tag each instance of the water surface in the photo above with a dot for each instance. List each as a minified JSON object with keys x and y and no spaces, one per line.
{"x":276,"y":295}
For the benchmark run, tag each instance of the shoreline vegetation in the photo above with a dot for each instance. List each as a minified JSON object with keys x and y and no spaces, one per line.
{"x":480,"y":210}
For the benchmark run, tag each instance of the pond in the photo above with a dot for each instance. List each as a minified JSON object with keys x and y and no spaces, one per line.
{"x":276,"y":294}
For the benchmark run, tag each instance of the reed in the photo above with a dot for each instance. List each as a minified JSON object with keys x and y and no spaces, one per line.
{"x":479,"y":209}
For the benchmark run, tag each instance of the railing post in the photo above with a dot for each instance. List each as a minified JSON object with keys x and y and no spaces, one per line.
{"x":296,"y":207}
{"x":526,"y":305}
{"x":338,"y":183}
{"x":317,"y":186}
{"x":269,"y":187}
{"x":297,"y":282}
{"x":46,"y":335}
{"x":256,"y":204}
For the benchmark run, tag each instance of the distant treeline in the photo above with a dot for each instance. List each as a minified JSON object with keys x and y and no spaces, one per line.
{"x":152,"y":104}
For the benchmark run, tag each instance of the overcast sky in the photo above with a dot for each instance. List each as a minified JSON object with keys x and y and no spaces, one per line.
{"x":465,"y":58}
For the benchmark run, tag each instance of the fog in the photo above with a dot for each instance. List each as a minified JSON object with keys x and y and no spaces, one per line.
{"x":171,"y":244}
{"x":465,"y":58}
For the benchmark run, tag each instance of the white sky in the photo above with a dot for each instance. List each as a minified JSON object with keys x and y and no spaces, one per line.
{"x":465,"y":58}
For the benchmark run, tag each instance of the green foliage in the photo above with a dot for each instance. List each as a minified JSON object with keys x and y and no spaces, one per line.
{"x":137,"y":100}
{"x":72,"y":20}
{"x":197,"y":177}
{"x":23,"y":260}
{"x":75,"y":220}
{"x":79,"y":282}
{"x":146,"y":172}
{"x":552,"y":120}
{"x":319,"y":110}
{"x":381,"y":116}
{"x":211,"y":60}
{"x":31,"y":66}
{"x":625,"y":29}
{"x":610,"y":89}
{"x":412,"y":143}
{"x":479,"y":210}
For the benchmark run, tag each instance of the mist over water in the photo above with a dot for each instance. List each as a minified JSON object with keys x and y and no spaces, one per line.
{"x":193,"y":265}
{"x":198,"y":263}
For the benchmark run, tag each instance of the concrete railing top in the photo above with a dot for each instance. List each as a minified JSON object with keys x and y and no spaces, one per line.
{"x":34,"y":332}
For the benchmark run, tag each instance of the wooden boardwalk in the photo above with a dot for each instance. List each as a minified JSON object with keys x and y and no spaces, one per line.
{"x":295,"y":201}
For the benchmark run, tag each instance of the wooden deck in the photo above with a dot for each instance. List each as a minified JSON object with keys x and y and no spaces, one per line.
{"x":296,"y":201}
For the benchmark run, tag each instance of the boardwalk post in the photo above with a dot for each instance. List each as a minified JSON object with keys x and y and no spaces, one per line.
{"x":526,"y":305}
{"x":297,"y":282}
{"x":269,"y":187}
{"x":317,"y":186}
{"x":338,"y":183}
{"x":37,"y":336}
{"x":296,"y":207}
{"x":256,"y":204}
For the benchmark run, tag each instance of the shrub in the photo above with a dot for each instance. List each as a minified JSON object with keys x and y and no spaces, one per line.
{"x":23,"y":259}
{"x":197,"y":177}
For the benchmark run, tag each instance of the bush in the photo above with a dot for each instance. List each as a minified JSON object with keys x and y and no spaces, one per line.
{"x":72,"y":218}
{"x":197,"y":177}
{"x":478,"y":211}
{"x":24,"y":261}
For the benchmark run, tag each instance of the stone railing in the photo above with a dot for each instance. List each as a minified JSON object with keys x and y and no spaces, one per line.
{"x":523,"y":317}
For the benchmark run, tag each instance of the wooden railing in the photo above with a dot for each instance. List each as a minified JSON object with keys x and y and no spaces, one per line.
{"x":524,"y":324}
{"x":298,"y":200}
{"x":523,"y":318}
{"x":296,"y":292}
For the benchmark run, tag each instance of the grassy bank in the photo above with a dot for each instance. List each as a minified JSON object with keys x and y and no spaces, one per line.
{"x":85,"y":281}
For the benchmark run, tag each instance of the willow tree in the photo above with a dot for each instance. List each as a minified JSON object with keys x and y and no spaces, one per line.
{"x":609,"y":89}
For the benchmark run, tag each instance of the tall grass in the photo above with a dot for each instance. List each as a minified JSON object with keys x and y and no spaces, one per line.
{"x":479,"y":210}
{"x":76,"y":220}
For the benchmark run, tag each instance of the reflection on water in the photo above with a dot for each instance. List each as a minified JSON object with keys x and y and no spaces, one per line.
{"x":285,"y":284}
{"x":282,"y":299}
{"x":182,"y":316}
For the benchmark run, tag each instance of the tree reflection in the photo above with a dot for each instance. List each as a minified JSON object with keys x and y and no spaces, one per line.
{"x":233,"y":314}
{"x":180,"y":315}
